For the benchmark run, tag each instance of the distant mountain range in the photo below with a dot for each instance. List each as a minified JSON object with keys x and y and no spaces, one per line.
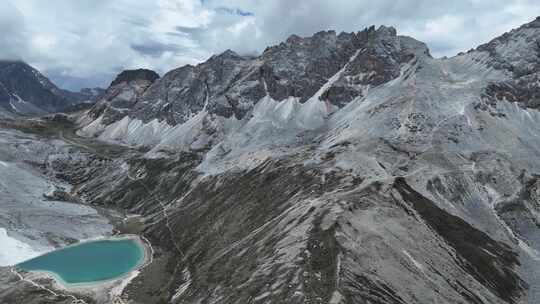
{"x":25,"y":91}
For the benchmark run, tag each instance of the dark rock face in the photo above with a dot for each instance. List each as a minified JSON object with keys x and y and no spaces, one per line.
{"x":217,"y":83}
{"x":230,"y":85}
{"x":132,"y":75}
{"x":381,"y":56}
{"x":492,"y":263}
{"x":300,"y":66}
{"x":123,"y":94}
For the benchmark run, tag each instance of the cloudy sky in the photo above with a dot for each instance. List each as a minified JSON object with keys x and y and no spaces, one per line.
{"x":84,"y":43}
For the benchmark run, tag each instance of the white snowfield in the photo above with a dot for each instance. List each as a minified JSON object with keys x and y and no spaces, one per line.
{"x":14,"y":251}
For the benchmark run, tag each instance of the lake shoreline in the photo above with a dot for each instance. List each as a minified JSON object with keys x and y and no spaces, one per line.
{"x":114,"y":286}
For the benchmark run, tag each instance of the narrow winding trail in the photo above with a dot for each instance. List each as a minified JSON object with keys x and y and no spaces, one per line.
{"x":166,"y":217}
{"x":75,"y":300}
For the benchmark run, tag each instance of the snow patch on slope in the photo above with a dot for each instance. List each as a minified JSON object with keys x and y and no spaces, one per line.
{"x":272,"y":126}
{"x":14,"y":251}
{"x":273,"y":129}
{"x":415,"y":262}
{"x":127,"y":131}
{"x":93,"y":128}
{"x":21,"y":106}
{"x":135,"y":132}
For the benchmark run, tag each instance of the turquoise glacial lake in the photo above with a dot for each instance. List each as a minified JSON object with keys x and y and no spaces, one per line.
{"x":90,"y":261}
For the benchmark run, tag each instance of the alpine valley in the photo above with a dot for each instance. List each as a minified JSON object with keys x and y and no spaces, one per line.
{"x":337,"y":168}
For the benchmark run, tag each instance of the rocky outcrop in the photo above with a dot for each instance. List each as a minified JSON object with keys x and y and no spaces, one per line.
{"x":122,"y":95}
{"x":518,"y":54}
{"x":128,"y":76}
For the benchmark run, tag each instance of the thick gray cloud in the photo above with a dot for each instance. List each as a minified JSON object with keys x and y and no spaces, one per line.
{"x":156,"y":48}
{"x":13,"y":33}
{"x":86,"y":42}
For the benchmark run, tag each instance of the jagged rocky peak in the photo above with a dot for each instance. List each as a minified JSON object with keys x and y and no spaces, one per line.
{"x":386,"y":31}
{"x":517,"y":53}
{"x":372,"y":35}
{"x":294,"y":39}
{"x":184,"y":92}
{"x":379,"y":58}
{"x":301,"y":66}
{"x":134,"y":75}
{"x":331,"y":68}
{"x":384,"y":40}
{"x":517,"y":50}
{"x":228,"y":54}
{"x":122,"y":95}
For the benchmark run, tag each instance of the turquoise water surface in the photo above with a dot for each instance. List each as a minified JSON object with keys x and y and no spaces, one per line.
{"x":90,"y":262}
